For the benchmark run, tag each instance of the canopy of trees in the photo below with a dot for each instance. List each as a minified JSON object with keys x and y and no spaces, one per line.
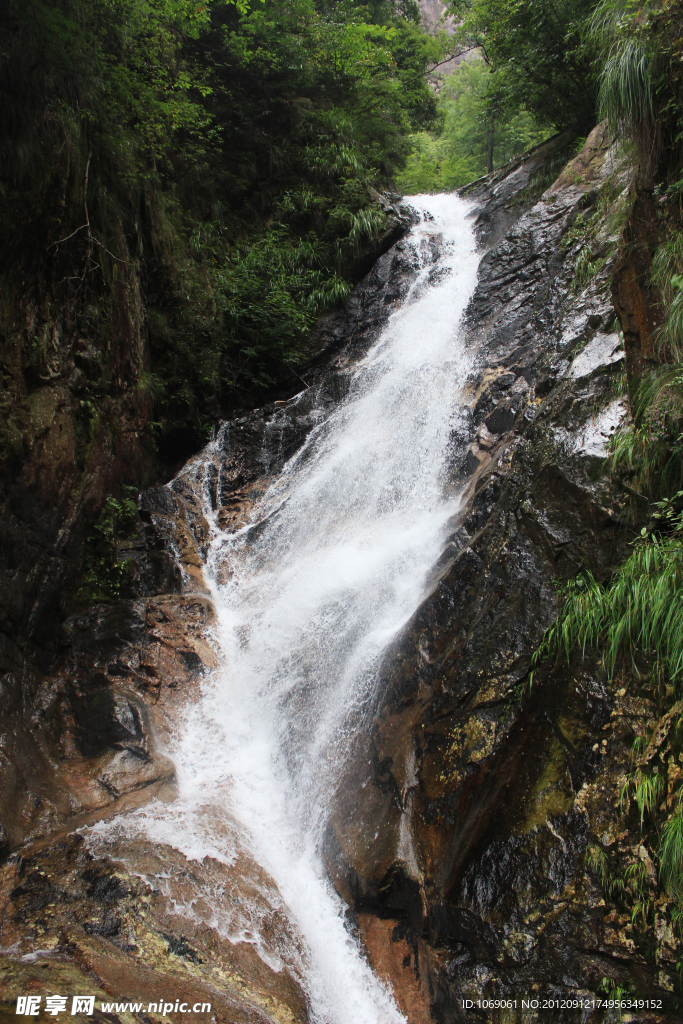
{"x":474,"y":136}
{"x":226,"y":150}
{"x":541,"y":54}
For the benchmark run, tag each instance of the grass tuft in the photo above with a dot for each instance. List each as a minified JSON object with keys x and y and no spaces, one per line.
{"x":640,"y":610}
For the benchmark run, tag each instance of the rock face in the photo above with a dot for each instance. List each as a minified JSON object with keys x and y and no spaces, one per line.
{"x":100,"y":916}
{"x":465,"y":835}
{"x":87,"y":707}
{"x":476,"y":803}
{"x":74,"y":426}
{"x":75,"y":403}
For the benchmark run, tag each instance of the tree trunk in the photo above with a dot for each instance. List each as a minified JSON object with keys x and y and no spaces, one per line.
{"x":492,"y":131}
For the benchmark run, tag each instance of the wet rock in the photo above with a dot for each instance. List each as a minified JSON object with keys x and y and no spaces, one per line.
{"x":78,"y":924}
{"x":102,"y":916}
{"x":503,"y":196}
{"x":472,"y":802}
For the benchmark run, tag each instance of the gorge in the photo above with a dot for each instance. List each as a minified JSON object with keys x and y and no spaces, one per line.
{"x":302,"y":772}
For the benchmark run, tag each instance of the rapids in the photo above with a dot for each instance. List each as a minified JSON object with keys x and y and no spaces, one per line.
{"x":308,"y":596}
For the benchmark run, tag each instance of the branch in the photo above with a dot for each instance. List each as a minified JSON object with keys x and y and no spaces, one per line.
{"x":452,"y":56}
{"x":87,"y":219}
{"x":85,"y":207}
{"x":424,"y":74}
{"x":66,"y":239}
{"x":91,"y":237}
{"x":117,"y":258}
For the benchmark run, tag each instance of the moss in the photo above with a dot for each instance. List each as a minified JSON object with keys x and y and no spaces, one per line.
{"x":552,"y":791}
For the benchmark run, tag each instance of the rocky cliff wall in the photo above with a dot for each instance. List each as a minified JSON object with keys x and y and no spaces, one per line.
{"x":480,"y":807}
{"x":91,"y":690}
{"x":77,"y":429}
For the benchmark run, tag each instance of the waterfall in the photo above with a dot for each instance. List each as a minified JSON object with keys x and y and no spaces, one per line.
{"x":307,"y":604}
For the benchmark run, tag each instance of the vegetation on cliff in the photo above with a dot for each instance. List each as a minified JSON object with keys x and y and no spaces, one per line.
{"x":635,"y":619}
{"x":541,"y":56}
{"x":474,"y":137}
{"x":220,"y":159}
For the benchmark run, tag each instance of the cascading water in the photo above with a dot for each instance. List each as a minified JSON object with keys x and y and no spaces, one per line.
{"x":346,"y":539}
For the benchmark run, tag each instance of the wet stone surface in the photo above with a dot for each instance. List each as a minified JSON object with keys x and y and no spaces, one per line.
{"x":473,"y":800}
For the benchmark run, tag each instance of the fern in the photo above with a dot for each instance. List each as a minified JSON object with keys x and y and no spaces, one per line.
{"x":648,"y":791}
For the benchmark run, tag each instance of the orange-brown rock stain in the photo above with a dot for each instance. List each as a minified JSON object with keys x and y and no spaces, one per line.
{"x":393,"y":961}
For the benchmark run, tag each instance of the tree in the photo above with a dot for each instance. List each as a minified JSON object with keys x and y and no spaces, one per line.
{"x":542,"y":52}
{"x":476,"y":134}
{"x":228,"y":153}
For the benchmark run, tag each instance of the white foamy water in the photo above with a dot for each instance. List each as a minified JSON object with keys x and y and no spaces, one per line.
{"x":350,"y":532}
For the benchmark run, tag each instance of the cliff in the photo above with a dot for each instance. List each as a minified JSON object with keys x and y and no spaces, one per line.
{"x":471,"y":833}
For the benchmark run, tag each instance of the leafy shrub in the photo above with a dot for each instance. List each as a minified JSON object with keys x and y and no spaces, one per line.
{"x":223,"y":157}
{"x":641,"y":609}
{"x":105,"y":577}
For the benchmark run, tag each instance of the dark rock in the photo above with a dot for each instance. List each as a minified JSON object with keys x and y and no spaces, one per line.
{"x":181,"y":947}
{"x":501,"y":783}
{"x":103,"y":888}
{"x":501,"y":419}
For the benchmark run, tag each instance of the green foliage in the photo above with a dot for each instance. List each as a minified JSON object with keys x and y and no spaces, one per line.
{"x":151,"y":384}
{"x":626,"y":85}
{"x":104,"y":576}
{"x":651,"y":448}
{"x":475,"y":137}
{"x":648,"y":790}
{"x":267,"y":294}
{"x":624,"y":885}
{"x":639,"y":612}
{"x":227,"y":155}
{"x":110,"y":69}
{"x":612,"y":880}
{"x":582,"y":237}
{"x":671,"y":854}
{"x":667,"y":265}
{"x":670,"y":335}
{"x":314,"y":114}
{"x":635,"y":619}
{"x":641,"y":74}
{"x":626,"y":90}
{"x":615,"y":992}
{"x":586,"y":268}
{"x":641,"y":609}
{"x":542,"y":54}
{"x":578,"y":232}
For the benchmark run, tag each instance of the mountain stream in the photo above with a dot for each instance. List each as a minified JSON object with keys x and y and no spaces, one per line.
{"x":308,"y":595}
